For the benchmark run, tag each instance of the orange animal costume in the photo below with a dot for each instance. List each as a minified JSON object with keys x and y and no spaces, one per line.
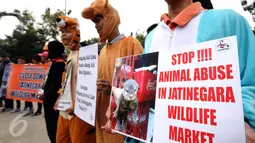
{"x":72,"y":129}
{"x":121,"y":46}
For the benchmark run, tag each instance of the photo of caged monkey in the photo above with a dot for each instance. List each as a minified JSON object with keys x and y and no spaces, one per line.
{"x":133,"y":95}
{"x":127,"y":103}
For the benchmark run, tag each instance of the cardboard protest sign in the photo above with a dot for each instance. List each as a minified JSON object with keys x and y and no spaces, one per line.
{"x":86,"y":90}
{"x":25,"y":80}
{"x":133,"y":96}
{"x":199,"y":95}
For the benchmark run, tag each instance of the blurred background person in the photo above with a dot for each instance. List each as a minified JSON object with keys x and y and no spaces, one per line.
{"x":20,"y":60}
{"x":44,"y":57}
{"x":3,"y":90}
{"x":52,"y":85}
{"x":1,"y":75}
{"x":29,"y":105}
{"x":37,"y":61}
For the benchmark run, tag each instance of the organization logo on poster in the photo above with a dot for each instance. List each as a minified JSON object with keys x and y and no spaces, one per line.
{"x":223,"y":45}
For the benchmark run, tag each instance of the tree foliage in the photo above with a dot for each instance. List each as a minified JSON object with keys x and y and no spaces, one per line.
{"x":15,"y":13}
{"x":48,"y":28}
{"x":249,"y":7}
{"x":140,"y":36}
{"x":29,"y":36}
{"x":93,"y":41}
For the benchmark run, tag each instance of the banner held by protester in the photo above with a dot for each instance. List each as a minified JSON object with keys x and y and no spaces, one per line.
{"x":25,"y":81}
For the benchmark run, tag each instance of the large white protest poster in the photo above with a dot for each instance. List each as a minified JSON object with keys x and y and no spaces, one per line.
{"x":86,"y":89}
{"x":199,"y":94}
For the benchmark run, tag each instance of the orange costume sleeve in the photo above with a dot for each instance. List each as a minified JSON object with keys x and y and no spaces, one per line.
{"x":125,"y":47}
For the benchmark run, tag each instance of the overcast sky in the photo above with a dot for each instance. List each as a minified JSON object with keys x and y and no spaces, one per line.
{"x":134,"y":14}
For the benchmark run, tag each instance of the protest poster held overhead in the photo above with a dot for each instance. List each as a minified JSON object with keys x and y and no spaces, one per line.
{"x":25,"y":81}
{"x":133,"y":96}
{"x":199,"y":95}
{"x":86,"y":89}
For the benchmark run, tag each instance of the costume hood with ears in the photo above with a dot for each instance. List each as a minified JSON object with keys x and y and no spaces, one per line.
{"x":56,"y":50}
{"x":111,"y":17}
{"x":64,"y":21}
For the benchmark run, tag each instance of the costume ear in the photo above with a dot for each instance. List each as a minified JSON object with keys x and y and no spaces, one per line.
{"x":105,"y":3}
{"x":88,"y":13}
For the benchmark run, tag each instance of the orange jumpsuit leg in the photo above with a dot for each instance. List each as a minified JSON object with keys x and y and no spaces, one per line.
{"x":63,"y":134}
{"x":82,"y":132}
{"x":101,"y":135}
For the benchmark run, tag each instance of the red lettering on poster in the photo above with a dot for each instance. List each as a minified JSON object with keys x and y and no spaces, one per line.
{"x":220,"y":72}
{"x":185,"y":135}
{"x":183,"y":58}
{"x":162,"y":93}
{"x":195,"y":115}
{"x":204,"y":55}
{"x":205,"y":94}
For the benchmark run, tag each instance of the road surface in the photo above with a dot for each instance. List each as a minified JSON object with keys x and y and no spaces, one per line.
{"x":27,"y":129}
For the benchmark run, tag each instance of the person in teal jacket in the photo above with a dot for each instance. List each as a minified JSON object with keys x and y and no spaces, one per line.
{"x":195,"y":25}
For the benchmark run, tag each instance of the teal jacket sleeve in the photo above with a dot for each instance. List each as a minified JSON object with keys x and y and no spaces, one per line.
{"x":148,"y":40}
{"x":246,"y":49}
{"x":216,"y":24}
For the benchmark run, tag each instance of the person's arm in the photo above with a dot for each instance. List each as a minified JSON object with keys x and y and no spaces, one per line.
{"x":246,"y":53}
{"x":230,"y":23}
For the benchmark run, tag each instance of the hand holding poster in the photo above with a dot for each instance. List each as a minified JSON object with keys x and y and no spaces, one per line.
{"x":199,"y":95}
{"x":25,"y":81}
{"x":86,"y":90}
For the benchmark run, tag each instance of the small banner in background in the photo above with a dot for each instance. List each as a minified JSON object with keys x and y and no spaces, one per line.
{"x":25,"y":80}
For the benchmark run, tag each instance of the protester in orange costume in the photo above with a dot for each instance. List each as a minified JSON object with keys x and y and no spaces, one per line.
{"x":107,"y":20}
{"x":72,"y":129}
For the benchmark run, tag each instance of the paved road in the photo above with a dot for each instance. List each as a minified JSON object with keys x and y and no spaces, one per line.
{"x":34,"y":128}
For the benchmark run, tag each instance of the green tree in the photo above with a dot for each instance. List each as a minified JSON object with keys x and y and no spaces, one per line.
{"x":93,"y":41}
{"x":140,"y":36}
{"x":29,"y":37}
{"x":3,"y":46}
{"x":250,"y":8}
{"x":15,"y":13}
{"x":24,"y":39}
{"x":47,"y":29}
